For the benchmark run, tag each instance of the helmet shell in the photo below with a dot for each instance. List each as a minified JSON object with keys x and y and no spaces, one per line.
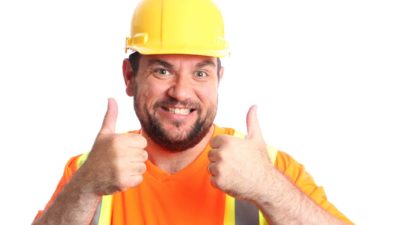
{"x":193,"y":27}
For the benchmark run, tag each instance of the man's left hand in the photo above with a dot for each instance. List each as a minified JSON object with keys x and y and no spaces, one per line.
{"x":241,"y":167}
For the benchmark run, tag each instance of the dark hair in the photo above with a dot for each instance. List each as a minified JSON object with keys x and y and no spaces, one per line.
{"x":135,"y":57}
{"x":134,"y":60}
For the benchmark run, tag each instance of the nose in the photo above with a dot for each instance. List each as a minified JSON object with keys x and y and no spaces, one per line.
{"x":181,"y":88}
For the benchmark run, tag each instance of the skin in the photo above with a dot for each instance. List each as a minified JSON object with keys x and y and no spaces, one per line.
{"x":116,"y":161}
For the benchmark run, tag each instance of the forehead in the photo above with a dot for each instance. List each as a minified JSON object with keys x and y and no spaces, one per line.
{"x":179,"y":59}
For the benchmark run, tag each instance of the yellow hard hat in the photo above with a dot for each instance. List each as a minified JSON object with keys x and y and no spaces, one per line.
{"x":191,"y":27}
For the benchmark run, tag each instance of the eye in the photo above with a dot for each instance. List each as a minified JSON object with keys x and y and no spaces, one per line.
{"x":201,"y":74}
{"x":161,"y":72}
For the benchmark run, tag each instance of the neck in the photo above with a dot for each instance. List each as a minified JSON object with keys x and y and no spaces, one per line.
{"x":173,"y":162}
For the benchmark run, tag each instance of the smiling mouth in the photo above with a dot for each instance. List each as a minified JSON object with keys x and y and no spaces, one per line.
{"x":178,"y":111}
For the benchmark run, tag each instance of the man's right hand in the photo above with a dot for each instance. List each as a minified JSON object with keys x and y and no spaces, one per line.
{"x":116,"y":161}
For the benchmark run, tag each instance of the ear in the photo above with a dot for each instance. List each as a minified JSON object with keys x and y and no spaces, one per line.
{"x":221,"y":74}
{"x":128,"y":77}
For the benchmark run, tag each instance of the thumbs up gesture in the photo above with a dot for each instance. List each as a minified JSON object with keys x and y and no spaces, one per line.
{"x":240,"y":167}
{"x":116,"y":161}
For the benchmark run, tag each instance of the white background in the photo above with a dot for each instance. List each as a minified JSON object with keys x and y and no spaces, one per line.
{"x":323,"y":73}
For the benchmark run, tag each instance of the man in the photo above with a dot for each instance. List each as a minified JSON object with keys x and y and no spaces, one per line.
{"x":180,"y":168}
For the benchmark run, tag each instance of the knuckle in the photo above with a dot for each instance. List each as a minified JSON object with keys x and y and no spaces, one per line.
{"x":145,"y":155}
{"x":217,"y":154}
{"x":215,"y":169}
{"x":143,"y":141}
{"x":212,"y":155}
{"x":141,"y":168}
{"x":140,"y":141}
{"x":138,"y":155}
{"x":215,"y":141}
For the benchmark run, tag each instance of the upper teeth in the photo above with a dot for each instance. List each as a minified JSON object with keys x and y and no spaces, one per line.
{"x":179,"y":111}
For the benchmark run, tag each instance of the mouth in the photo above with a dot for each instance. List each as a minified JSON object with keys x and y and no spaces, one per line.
{"x":179,"y":110}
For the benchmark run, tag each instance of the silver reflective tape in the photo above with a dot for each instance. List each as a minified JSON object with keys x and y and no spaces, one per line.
{"x":96,"y":217}
{"x":245,"y":213}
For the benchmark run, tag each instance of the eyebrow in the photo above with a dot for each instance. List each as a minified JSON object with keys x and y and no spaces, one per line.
{"x":160,"y":62}
{"x":168,"y":65}
{"x":205,"y":63}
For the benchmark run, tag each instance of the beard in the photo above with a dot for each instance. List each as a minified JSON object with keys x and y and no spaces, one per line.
{"x":184,"y":139}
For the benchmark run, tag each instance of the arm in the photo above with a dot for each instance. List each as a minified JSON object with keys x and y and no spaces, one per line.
{"x":242,"y":168}
{"x":115,"y":163}
{"x":74,"y":205}
{"x":284,"y":203}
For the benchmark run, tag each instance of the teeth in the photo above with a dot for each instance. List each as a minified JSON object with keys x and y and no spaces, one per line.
{"x":179,"y":111}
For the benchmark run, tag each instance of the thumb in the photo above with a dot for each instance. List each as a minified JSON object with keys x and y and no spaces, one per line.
{"x":253,"y":127}
{"x":110,"y":118}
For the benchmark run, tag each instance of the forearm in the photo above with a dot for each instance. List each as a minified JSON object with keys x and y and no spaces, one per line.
{"x":289,"y":205}
{"x":75,"y":204}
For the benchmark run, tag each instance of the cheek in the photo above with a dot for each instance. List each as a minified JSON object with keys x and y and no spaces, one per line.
{"x":148,"y":94}
{"x":208,"y":94}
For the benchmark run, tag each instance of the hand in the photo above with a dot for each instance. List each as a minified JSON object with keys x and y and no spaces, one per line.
{"x":117,"y":161}
{"x":239,"y":166}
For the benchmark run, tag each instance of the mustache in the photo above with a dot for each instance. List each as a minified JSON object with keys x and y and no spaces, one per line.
{"x":171,"y":102}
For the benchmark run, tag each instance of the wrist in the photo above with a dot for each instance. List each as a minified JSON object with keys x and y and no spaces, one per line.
{"x":271,"y":189}
{"x":83,"y":183}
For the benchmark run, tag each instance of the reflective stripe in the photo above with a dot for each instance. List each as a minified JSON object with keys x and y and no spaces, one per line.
{"x":240,"y":212}
{"x":229,"y":216}
{"x":261,"y":219}
{"x":103,"y":212}
{"x":272,"y":152}
{"x":106,"y":210}
{"x":238,"y":134}
{"x":245,"y":213}
{"x":81,"y":160}
{"x":96,"y":217}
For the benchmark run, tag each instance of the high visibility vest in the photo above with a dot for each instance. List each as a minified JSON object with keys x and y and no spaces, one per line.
{"x":237,"y":212}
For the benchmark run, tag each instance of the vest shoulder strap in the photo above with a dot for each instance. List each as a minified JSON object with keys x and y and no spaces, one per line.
{"x":103,"y":212}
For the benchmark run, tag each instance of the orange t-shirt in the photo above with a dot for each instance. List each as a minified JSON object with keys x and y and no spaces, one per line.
{"x":187,"y":196}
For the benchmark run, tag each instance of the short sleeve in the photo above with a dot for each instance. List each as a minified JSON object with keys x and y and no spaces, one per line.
{"x":295,"y":172}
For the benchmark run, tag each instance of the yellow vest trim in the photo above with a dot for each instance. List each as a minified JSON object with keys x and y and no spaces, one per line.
{"x":272,"y":152}
{"x":106,"y":200}
{"x":261,"y":219}
{"x":229,"y":216}
{"x":106,"y":209}
{"x":230,"y":202}
{"x":81,"y":160}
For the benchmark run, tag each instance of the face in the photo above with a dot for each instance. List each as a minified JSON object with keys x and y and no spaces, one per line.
{"x":175,"y":98}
